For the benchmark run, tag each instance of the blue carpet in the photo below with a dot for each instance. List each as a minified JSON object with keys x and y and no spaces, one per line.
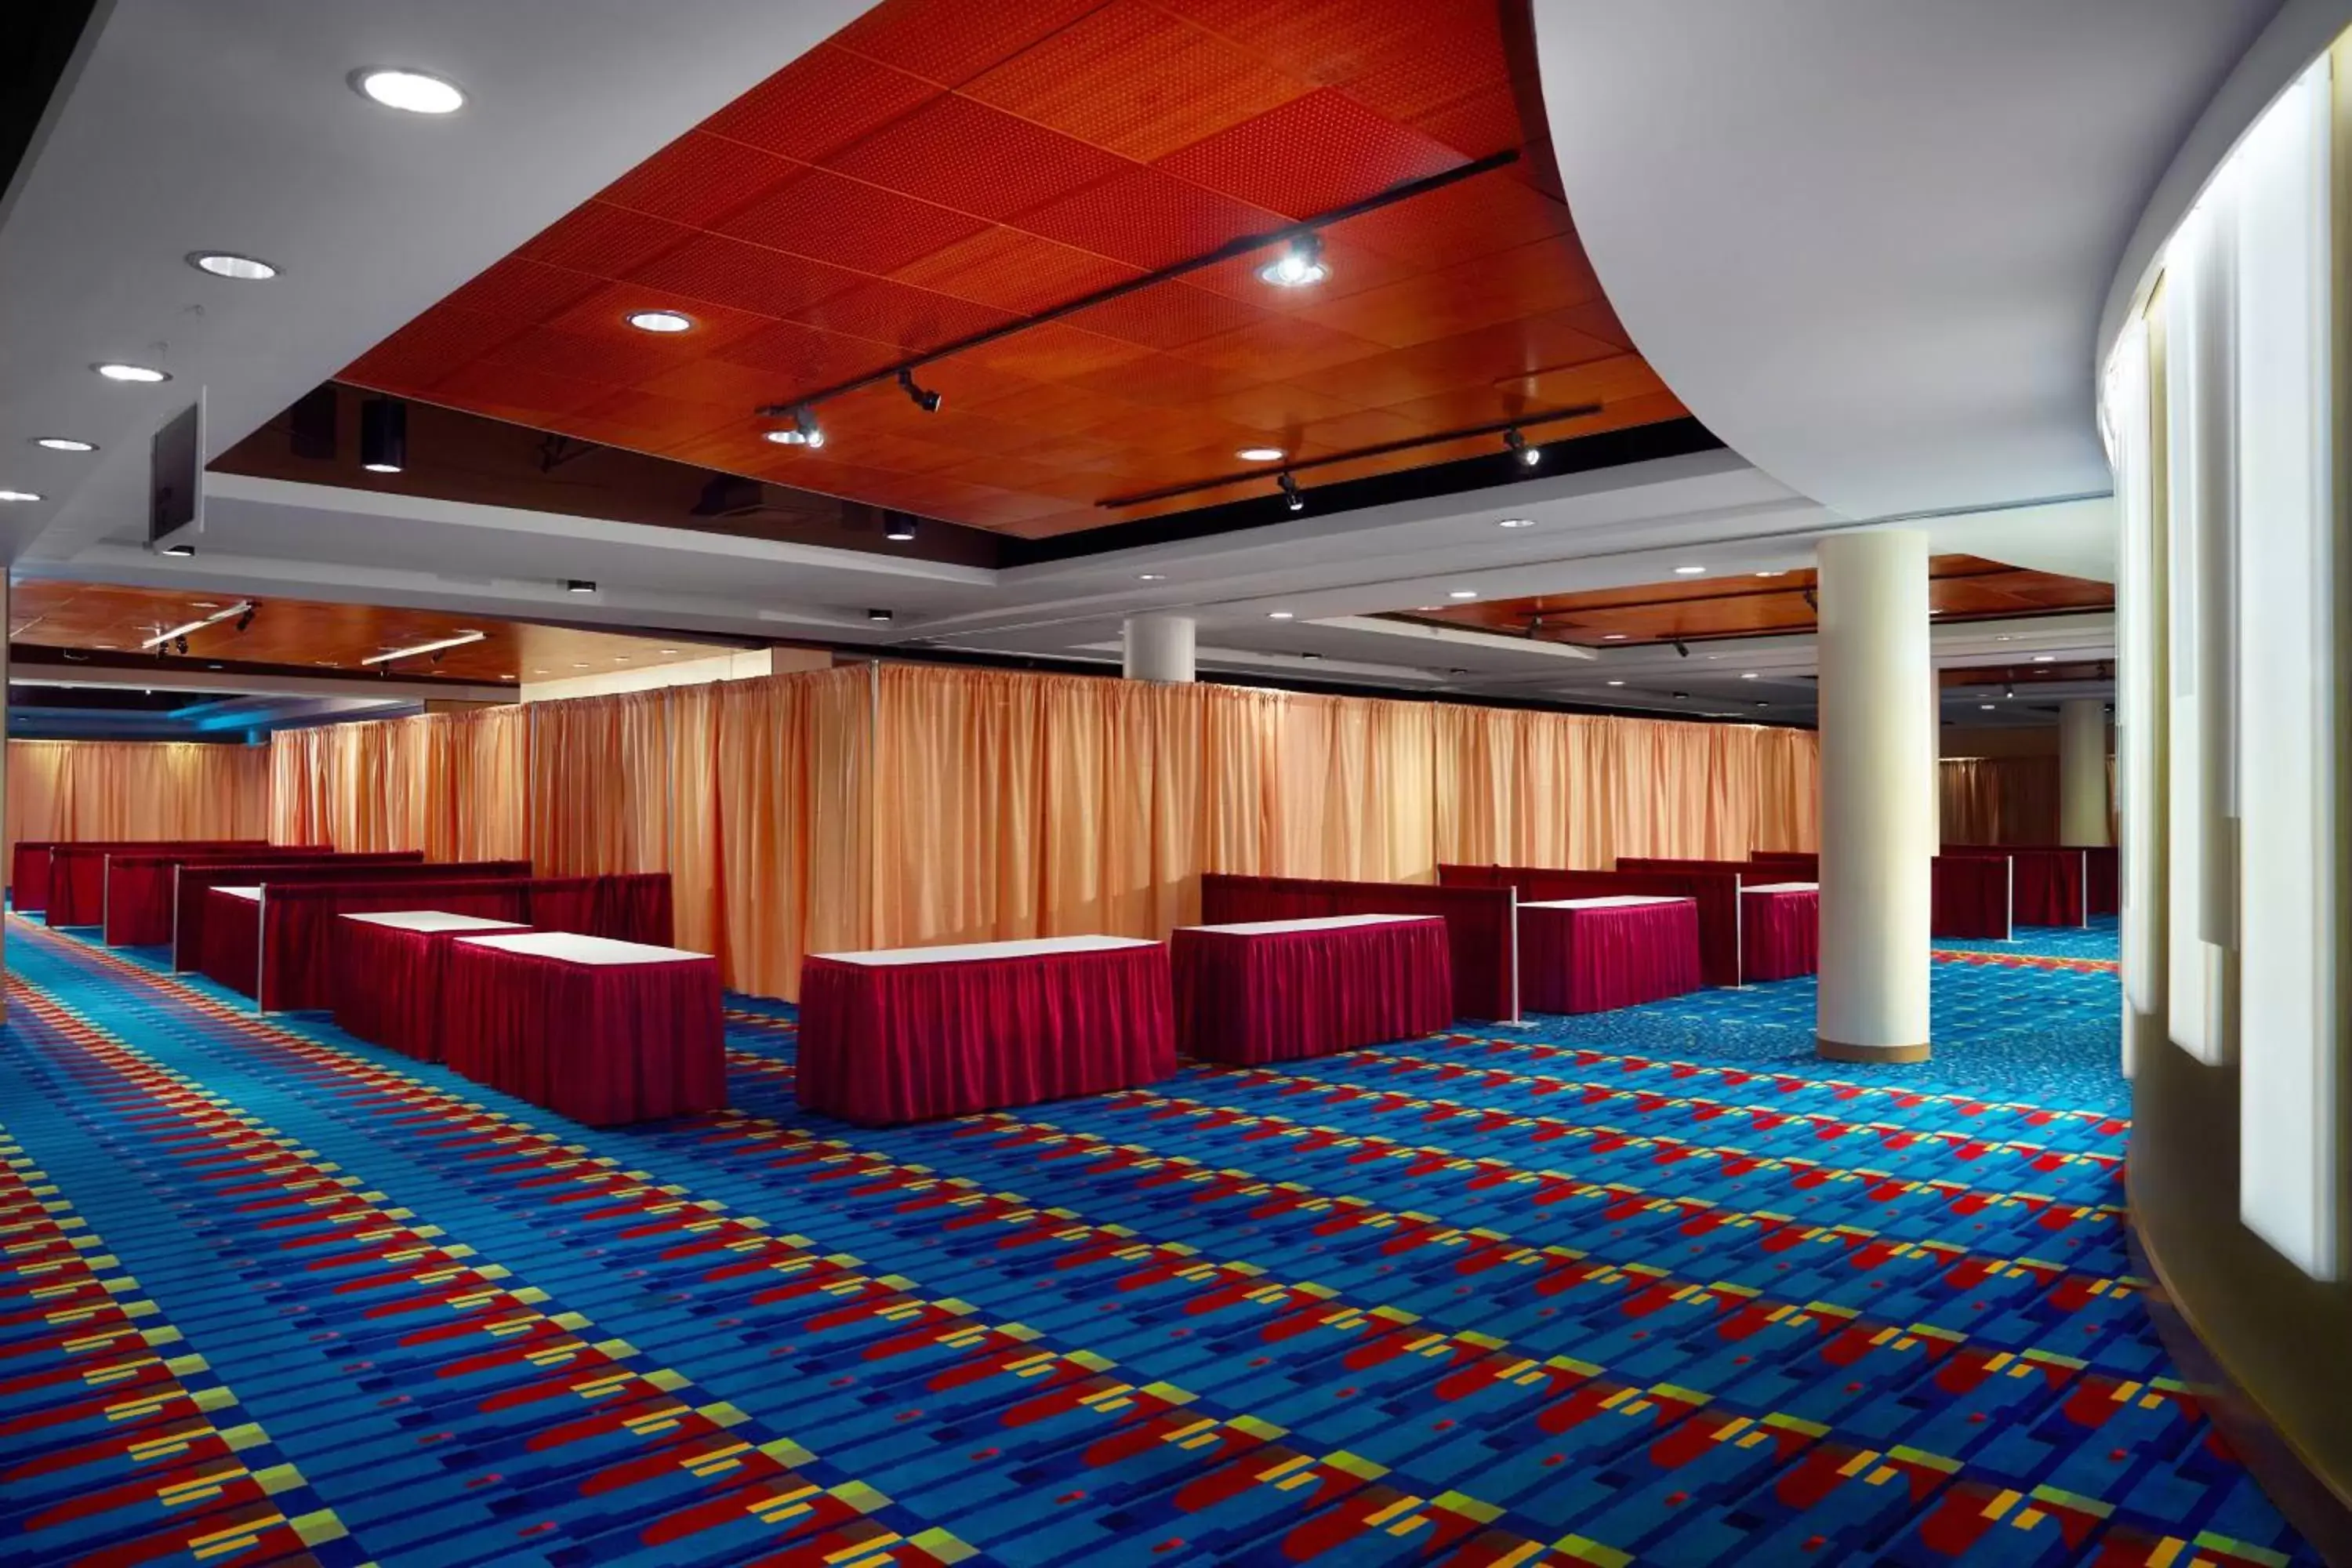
{"x":1647,"y":1287}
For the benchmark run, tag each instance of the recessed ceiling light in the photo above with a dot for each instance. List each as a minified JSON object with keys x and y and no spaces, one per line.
{"x":228,"y":264}
{"x":64,"y":444}
{"x":1463,"y":593}
{"x":1747,"y":675}
{"x":18,"y":495}
{"x":1612,"y":636}
{"x":661,"y":321}
{"x":1152,"y":576}
{"x":1783,"y":573}
{"x":669,"y":651}
{"x":203,"y":603}
{"x":1260,"y":453}
{"x":2003,"y":638}
{"x":102,"y":645}
{"x":1517,"y":522}
{"x":2045,"y":658}
{"x":578,"y":667}
{"x":1277,"y":614}
{"x":114,"y":370}
{"x":410,"y":91}
{"x":538,"y":672}
{"x":1616,"y":683}
{"x":578,"y":585}
{"x":508,"y":676}
{"x":1985,"y":705}
{"x":620,"y":658}
{"x":1688,"y":571}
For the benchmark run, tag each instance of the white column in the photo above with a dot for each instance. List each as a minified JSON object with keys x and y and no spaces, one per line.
{"x":2083,"y":770}
{"x":1878,"y":829}
{"x":1159,"y":648}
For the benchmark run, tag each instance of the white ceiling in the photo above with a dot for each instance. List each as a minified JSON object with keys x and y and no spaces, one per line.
{"x":375,"y":215}
{"x":1867,"y":241}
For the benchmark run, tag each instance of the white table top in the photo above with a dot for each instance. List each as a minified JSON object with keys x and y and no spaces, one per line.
{"x":250,"y":895}
{"x":1613,"y":901}
{"x":434,"y":919}
{"x":981,"y":952}
{"x":1782,"y":887}
{"x":1311,"y":922}
{"x":573,"y":948}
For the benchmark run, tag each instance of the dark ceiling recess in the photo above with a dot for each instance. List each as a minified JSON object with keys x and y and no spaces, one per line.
{"x":36,"y":49}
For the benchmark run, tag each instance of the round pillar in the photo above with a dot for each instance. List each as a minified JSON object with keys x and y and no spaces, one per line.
{"x":1159,"y":648}
{"x":1878,"y":821}
{"x":2082,"y":772}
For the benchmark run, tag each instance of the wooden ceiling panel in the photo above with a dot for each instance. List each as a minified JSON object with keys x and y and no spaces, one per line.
{"x":1960,"y":588}
{"x":1084,"y":82}
{"x":322,"y":638}
{"x":942,"y":169}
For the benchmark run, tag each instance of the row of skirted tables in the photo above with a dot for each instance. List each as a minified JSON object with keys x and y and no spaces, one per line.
{"x":608,"y":1032}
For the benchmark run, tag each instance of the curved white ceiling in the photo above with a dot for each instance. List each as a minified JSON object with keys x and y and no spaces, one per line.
{"x":1867,"y":241}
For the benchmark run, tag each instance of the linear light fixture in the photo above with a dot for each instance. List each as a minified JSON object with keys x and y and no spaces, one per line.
{"x":459,"y":640}
{"x":230,"y":614}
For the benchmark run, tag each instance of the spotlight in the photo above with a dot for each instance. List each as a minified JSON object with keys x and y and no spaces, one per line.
{"x":1812,"y":601}
{"x":384,"y":435}
{"x":804,"y":431}
{"x":879,"y":618}
{"x":897,"y":525}
{"x":64,"y":444}
{"x":660,"y":321}
{"x":1290,"y":492}
{"x":578,"y":585}
{"x":926,"y":400}
{"x":1298,"y":267}
{"x":1517,"y":443}
{"x":2010,"y":692}
{"x":1682,"y":647}
{"x":246,"y":619}
{"x":114,"y":370}
{"x":181,"y":645}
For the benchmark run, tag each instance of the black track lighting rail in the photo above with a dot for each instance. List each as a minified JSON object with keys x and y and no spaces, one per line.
{"x":1228,"y":251}
{"x":1265,"y":470}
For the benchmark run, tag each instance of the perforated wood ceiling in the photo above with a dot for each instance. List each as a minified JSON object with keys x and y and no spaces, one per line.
{"x":942,"y":167}
{"x":1960,"y":588}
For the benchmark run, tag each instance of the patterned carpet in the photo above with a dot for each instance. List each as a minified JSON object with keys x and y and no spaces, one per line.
{"x":1642,"y":1287}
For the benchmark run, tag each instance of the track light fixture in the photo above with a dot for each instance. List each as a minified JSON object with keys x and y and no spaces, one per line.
{"x":925,"y":399}
{"x":1291,"y":494}
{"x":1299,"y":265}
{"x":803,"y":431}
{"x":384,"y":435}
{"x":246,"y":619}
{"x":1517,"y":444}
{"x":1682,"y":647}
{"x":899,"y":526}
{"x":182,"y":647}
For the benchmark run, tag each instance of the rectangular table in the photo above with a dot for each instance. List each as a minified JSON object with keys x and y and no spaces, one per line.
{"x":232,"y":942}
{"x":1780,"y":930}
{"x":1265,"y":991}
{"x":1589,"y":955}
{"x":389,"y":971}
{"x":604,"y":1032}
{"x":912,"y":1034}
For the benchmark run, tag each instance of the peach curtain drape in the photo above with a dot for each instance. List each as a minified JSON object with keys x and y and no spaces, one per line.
{"x":900,"y":804}
{"x":449,"y":784}
{"x":1578,"y":790}
{"x":134,"y":789}
{"x":1999,"y":800}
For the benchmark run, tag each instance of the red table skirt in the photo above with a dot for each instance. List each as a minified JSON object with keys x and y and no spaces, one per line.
{"x":1267,"y":996}
{"x":1590,"y":960}
{"x":891,"y":1043}
{"x":232,"y":942}
{"x":389,"y":982}
{"x":602,"y":1044}
{"x":1780,"y":934}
